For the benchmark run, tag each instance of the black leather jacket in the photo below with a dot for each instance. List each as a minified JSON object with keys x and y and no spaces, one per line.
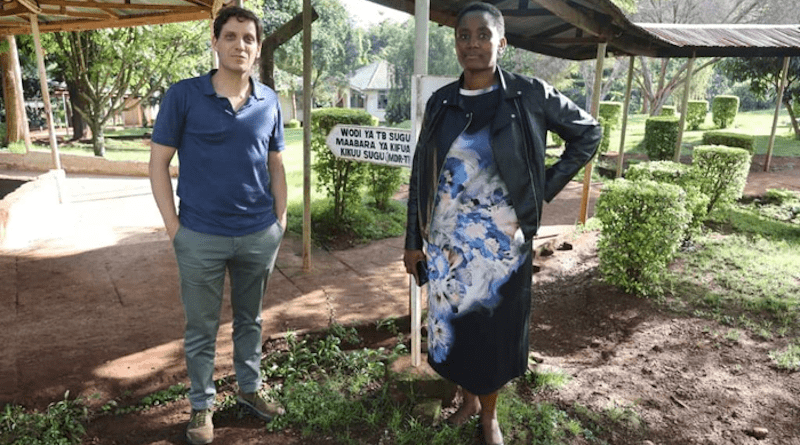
{"x":518,"y":146}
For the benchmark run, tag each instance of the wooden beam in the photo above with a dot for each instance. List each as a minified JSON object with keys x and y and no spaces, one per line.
{"x":687,"y":85}
{"x":625,"y":107}
{"x":569,"y":14}
{"x":598,"y":85}
{"x":781,"y":89}
{"x":48,"y":109}
{"x":117,"y":5}
{"x":77,"y":25}
{"x":30,"y":5}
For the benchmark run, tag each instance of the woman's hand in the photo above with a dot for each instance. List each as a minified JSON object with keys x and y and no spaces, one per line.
{"x":410,"y":259}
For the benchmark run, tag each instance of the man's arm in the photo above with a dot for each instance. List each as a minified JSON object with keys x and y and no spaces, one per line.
{"x":277,"y":179}
{"x":161,"y":185}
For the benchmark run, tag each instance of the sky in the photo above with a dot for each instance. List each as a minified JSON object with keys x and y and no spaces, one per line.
{"x":367,"y":13}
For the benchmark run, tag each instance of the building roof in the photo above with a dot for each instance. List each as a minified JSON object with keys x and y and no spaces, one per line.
{"x":80,"y":15}
{"x":572,"y":29}
{"x":374,"y":76}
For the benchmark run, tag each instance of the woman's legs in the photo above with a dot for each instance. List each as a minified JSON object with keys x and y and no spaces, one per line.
{"x":491,"y":428}
{"x":470,"y":406}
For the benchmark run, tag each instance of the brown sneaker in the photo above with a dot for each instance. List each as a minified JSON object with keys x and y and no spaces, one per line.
{"x":258,"y":405}
{"x":200,"y":430}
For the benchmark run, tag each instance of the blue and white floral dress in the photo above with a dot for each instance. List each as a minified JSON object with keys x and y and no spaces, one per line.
{"x":479,"y":264}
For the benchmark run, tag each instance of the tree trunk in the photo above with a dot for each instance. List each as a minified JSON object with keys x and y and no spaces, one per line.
{"x":16,"y":119}
{"x":76,"y":100}
{"x":792,"y":117}
{"x":98,"y":140}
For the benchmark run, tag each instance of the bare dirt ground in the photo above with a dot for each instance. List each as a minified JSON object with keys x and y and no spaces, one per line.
{"x":686,"y":382}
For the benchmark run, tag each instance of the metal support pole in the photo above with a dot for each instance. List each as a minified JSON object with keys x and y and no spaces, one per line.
{"x":621,"y":152}
{"x":421,"y":18}
{"x":598,"y":85}
{"x":685,"y":106}
{"x":781,"y":89}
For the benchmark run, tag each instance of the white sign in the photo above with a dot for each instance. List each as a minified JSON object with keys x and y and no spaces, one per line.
{"x":379,"y":145}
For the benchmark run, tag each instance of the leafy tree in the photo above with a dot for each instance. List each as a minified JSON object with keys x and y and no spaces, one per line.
{"x":764,"y":76}
{"x":396,"y":44}
{"x":337,"y":45}
{"x":108,"y":66}
{"x":659,"y":79}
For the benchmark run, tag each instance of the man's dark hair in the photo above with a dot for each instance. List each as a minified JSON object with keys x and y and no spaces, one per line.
{"x":241,"y":15}
{"x":495,"y":13}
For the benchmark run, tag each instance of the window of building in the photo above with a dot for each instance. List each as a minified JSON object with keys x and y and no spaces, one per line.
{"x":383,"y":99}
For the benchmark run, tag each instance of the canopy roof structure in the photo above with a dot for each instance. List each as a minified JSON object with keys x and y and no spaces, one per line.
{"x":572,"y":29}
{"x":81,"y":15}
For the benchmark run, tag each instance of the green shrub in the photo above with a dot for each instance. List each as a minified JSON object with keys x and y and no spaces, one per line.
{"x":730,"y":139}
{"x":342,"y":179}
{"x":696,"y":111}
{"x":667,"y":110}
{"x":721,"y":173}
{"x":609,"y":116}
{"x":644,"y":223}
{"x":724,"y":109}
{"x":670,"y":172}
{"x":382,"y":183}
{"x":293,"y":123}
{"x":660,"y":137}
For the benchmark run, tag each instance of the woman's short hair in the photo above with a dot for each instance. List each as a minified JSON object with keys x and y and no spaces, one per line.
{"x":492,"y":10}
{"x":241,"y":15}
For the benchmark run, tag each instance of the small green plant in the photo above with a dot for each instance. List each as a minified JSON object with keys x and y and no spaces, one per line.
{"x":62,"y":423}
{"x":788,"y":359}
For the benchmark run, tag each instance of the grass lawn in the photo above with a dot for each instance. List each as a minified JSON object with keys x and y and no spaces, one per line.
{"x":755,"y":123}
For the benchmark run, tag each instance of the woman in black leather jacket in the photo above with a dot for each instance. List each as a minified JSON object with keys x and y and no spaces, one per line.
{"x":475,"y":196}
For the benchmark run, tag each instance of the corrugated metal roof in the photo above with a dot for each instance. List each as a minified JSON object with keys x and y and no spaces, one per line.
{"x":762,"y":40}
{"x":572,"y":29}
{"x":79,"y":15}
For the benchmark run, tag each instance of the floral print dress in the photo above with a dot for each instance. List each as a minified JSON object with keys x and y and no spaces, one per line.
{"x":479,"y":268}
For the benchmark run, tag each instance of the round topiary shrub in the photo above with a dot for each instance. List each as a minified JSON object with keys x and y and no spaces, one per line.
{"x":724,"y":109}
{"x":660,"y":137}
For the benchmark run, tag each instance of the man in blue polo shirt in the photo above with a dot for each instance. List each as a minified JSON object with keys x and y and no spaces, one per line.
{"x":228,"y":132}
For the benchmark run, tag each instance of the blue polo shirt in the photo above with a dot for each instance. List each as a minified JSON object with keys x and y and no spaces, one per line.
{"x":224,"y":183}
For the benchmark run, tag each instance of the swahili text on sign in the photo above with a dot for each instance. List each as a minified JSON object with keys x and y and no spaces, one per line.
{"x":379,"y":145}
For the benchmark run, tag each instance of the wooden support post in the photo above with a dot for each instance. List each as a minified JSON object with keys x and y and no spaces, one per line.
{"x":598,"y":85}
{"x":685,"y":106}
{"x":621,"y":152}
{"x":48,"y":109}
{"x":307,"y":18}
{"x":781,"y":89}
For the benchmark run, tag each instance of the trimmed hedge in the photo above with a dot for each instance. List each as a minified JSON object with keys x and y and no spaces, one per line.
{"x":696,"y":111}
{"x":721,"y":173}
{"x":683,"y":175}
{"x":660,"y":137}
{"x":668,"y":110}
{"x":609,"y":116}
{"x":730,"y":139}
{"x":644,"y":224}
{"x":724,"y":109}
